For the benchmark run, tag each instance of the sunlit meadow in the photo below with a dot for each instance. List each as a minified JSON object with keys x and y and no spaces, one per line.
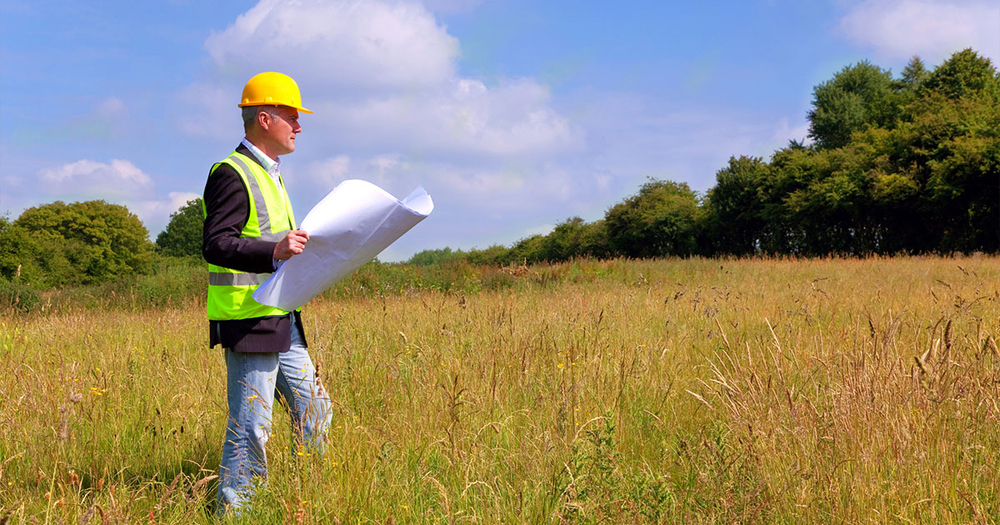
{"x":750,"y":391}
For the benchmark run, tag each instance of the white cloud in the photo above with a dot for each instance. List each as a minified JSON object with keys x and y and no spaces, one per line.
{"x":330,"y":171}
{"x":178,"y":199}
{"x":159,"y":210}
{"x":354,"y":43}
{"x":464,"y":119}
{"x":119,"y":182}
{"x":381,"y":76}
{"x":384,"y":163}
{"x":931,"y":29}
{"x":110,"y":107}
{"x":88,"y":179}
{"x":502,"y":160}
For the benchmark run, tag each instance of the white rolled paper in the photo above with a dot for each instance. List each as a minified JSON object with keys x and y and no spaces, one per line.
{"x":348,"y":228}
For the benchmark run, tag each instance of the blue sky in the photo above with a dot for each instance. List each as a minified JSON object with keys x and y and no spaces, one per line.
{"x":514,"y":115}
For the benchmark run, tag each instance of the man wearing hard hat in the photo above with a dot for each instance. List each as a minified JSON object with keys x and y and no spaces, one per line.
{"x":249,"y":230}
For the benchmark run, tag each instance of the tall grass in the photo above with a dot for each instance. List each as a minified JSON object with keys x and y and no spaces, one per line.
{"x":829,"y":390}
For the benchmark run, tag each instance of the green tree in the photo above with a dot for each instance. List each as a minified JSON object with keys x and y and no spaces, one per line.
{"x":908,"y":85}
{"x":914,"y":75}
{"x":571,"y":238}
{"x":567,"y":240}
{"x":828,"y":209}
{"x":530,"y":249}
{"x":891,"y":187}
{"x":790,"y":170}
{"x":660,"y":220}
{"x":18,"y":254}
{"x":962,"y":75}
{"x":183,"y":234}
{"x":859,"y":95}
{"x":435,"y":257}
{"x":496,"y":255}
{"x":956,"y":148}
{"x":735,"y":209}
{"x":87,"y":242}
{"x":594,"y":240}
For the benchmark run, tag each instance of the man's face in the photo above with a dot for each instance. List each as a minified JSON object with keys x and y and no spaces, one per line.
{"x":281,"y":129}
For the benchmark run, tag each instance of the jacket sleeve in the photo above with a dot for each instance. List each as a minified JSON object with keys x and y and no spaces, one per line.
{"x":227,"y":206}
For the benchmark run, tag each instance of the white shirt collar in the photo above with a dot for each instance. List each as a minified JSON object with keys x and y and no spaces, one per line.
{"x":270,"y":166}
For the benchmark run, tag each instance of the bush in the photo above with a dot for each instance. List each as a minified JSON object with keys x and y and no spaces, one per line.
{"x":182,"y":237}
{"x":87,"y":242}
{"x":17,"y":253}
{"x":18,"y":296}
{"x":173,"y":281}
{"x":439,"y":256}
{"x":494,"y":255}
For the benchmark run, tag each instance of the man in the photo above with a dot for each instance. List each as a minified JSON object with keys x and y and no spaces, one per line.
{"x":249,"y":230}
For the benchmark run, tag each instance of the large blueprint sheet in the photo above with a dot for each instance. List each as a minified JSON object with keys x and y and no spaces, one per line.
{"x":348,"y":228}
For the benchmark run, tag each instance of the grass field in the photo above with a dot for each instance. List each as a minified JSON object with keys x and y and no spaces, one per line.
{"x":678,"y":391}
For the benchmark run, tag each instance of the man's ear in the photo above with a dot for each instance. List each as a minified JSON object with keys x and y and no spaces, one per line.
{"x":264,"y":120}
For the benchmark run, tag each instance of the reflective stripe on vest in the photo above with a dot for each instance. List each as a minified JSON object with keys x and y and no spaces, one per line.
{"x":230,"y":292}
{"x":236,"y":279}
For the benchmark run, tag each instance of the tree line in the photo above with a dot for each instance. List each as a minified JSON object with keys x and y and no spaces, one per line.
{"x":894,"y":165}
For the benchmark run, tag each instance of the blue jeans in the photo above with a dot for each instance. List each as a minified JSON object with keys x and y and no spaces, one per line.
{"x":251,"y":384}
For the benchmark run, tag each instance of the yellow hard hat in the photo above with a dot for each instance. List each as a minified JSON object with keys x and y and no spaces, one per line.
{"x":272,"y":89}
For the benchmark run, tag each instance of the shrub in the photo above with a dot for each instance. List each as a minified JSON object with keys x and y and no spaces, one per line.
{"x":18,"y":296}
{"x":87,"y":242}
{"x":182,"y":237}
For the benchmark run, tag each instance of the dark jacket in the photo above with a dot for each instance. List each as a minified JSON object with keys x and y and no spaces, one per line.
{"x":227,"y":204}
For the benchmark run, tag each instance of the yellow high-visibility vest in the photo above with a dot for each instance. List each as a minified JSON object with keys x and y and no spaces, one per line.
{"x":230,"y":292}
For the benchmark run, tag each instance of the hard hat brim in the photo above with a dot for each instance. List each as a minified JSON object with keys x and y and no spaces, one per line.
{"x":251,"y":104}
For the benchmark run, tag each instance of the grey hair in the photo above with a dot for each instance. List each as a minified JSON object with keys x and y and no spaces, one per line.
{"x":250,"y":114}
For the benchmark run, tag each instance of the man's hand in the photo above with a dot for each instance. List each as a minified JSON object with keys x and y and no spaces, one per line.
{"x":292,"y":244}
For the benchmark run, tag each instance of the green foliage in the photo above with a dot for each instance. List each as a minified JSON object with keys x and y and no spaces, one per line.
{"x":493,"y":255}
{"x":18,"y":296}
{"x":574,"y":238}
{"x":182,"y":237}
{"x":432,"y":257}
{"x":659,"y":221}
{"x":735,"y":210}
{"x":171,"y":282}
{"x":910,"y":165}
{"x":963,"y":75}
{"x":566,"y":240}
{"x":531,"y":249}
{"x":859,"y":95}
{"x":570,"y":239}
{"x":906,"y":165}
{"x":18,"y":252}
{"x":913,"y":76}
{"x":86,"y":242}
{"x":593,"y":240}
